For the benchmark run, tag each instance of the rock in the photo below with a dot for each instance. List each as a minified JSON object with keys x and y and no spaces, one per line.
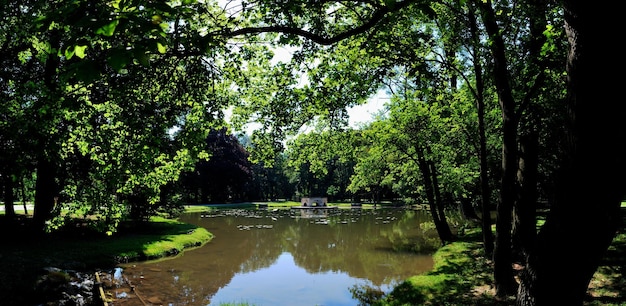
{"x":62,"y":287}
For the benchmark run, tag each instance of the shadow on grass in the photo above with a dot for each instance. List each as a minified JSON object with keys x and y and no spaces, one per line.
{"x":24,"y":256}
{"x":608,"y":287}
{"x":462,"y":275}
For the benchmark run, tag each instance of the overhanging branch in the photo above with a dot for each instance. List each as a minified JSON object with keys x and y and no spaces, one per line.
{"x":319,"y":38}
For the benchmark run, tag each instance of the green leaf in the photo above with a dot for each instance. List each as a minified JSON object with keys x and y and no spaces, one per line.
{"x":157,"y":19}
{"x":108,"y":29}
{"x":118,"y":59}
{"x":162,"y":49}
{"x":142,"y":57}
{"x":69,"y":53}
{"x":80,"y":51}
{"x":390,"y":3}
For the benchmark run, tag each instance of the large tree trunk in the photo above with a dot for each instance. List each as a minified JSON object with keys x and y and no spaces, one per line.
{"x":46,"y":189}
{"x":503,"y":273}
{"x":525,"y":209}
{"x":485,"y":191}
{"x":584,"y":218}
{"x":45,"y":194}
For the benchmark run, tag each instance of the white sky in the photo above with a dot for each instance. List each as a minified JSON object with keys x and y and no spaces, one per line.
{"x":365,"y":113}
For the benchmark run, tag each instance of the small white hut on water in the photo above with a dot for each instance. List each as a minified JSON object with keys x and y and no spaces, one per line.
{"x":314,"y":202}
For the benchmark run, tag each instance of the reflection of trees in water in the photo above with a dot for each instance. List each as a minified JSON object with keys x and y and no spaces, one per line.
{"x":366,"y":244}
{"x":373,"y":248}
{"x":193,"y":278}
{"x":264,"y":253}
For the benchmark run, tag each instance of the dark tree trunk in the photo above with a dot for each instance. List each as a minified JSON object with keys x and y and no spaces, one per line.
{"x":485,"y":190}
{"x":503,"y":273}
{"x":45,"y":194}
{"x":9,"y":197}
{"x":468,"y":211}
{"x":442,"y":227}
{"x":525,"y":208}
{"x":440,"y":203}
{"x":524,"y":212}
{"x":46,"y":189}
{"x":23,"y":188}
{"x":585,"y":215}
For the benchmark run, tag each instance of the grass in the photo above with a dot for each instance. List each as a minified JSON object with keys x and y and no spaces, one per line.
{"x":24,"y":257}
{"x":287,"y":204}
{"x":462,"y":275}
{"x":159,"y":238}
{"x":197,"y":208}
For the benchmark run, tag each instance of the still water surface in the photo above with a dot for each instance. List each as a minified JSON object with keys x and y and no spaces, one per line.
{"x":285,"y":257}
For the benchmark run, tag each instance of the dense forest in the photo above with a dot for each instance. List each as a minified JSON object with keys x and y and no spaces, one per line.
{"x":123,"y":108}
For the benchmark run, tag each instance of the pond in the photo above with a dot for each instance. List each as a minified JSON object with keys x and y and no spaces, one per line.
{"x":285,"y":257}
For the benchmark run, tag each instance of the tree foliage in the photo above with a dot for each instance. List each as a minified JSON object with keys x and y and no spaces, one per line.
{"x":225,"y":177}
{"x":106,"y":103}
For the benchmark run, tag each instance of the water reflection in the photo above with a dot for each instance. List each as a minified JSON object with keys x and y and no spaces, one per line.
{"x":286,"y":257}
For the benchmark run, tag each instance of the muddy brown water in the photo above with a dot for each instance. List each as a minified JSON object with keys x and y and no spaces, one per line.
{"x":281,"y":257}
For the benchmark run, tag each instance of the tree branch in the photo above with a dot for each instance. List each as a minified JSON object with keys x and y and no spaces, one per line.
{"x":320,"y":38}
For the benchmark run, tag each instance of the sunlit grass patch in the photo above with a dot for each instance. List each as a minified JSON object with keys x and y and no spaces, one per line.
{"x":197,"y":208}
{"x":451,"y":256}
{"x":182,"y":236}
{"x":459,"y":267}
{"x":281,"y":203}
{"x":431,"y":285}
{"x":174,"y":244}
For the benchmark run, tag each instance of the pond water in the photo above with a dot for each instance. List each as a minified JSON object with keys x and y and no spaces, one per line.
{"x":284,"y":257}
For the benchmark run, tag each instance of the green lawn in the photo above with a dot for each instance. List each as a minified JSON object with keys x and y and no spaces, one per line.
{"x":24,"y":257}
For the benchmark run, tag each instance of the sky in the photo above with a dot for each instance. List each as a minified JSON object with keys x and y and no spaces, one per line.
{"x":365,"y":113}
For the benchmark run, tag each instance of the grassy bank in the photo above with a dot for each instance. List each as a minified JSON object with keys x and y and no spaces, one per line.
{"x":462,"y":275}
{"x":24,"y":257}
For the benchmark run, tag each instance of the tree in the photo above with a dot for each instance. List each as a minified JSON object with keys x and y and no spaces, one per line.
{"x":98,"y":88}
{"x":271,"y":183}
{"x":420,"y":124}
{"x":510,"y":106}
{"x":226,"y":176}
{"x":591,"y":168}
{"x":67,"y":54}
{"x":327,"y":155}
{"x":566,"y":217}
